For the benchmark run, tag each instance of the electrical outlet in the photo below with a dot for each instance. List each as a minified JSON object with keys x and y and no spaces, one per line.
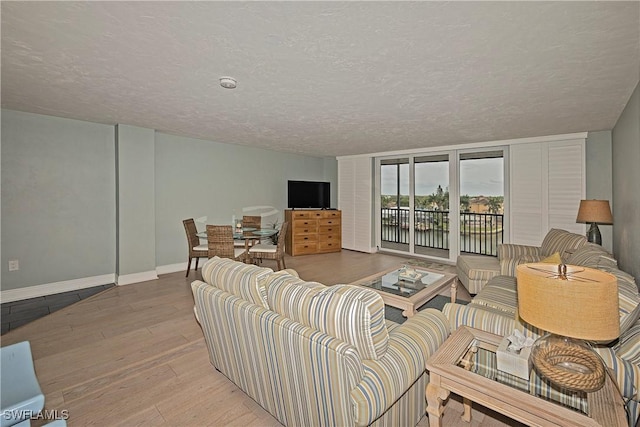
{"x":14,"y":265}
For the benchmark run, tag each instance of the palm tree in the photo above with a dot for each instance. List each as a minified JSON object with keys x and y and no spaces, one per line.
{"x":465,"y":203}
{"x":494,"y":204}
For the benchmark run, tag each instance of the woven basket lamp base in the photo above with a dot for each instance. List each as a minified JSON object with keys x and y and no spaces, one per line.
{"x":568,"y":363}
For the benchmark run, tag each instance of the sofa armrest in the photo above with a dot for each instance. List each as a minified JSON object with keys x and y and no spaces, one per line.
{"x":488,"y":319}
{"x":628,"y":346}
{"x":627,"y":374}
{"x":511,"y":250}
{"x":508,"y":265}
{"x":388,"y":378}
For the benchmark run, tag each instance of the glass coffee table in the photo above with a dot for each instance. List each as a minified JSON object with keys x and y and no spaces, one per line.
{"x":409,"y":287}
{"x":454,"y":368}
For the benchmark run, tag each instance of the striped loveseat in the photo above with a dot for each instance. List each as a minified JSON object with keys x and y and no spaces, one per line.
{"x":314,"y":355}
{"x":494,"y":309}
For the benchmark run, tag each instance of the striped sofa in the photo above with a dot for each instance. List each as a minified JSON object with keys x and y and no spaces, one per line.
{"x":474,"y":271}
{"x":313,"y":355}
{"x":494,"y":309}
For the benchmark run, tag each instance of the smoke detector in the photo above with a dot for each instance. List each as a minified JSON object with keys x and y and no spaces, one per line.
{"x":228,"y":82}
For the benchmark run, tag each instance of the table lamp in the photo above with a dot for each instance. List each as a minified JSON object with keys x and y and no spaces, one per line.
{"x":572,"y":304}
{"x":594,"y":212}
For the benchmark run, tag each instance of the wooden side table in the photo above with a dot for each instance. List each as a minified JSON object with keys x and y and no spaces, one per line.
{"x":449,"y":371}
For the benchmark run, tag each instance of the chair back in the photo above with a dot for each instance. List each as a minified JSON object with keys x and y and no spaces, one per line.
{"x":220,"y":241}
{"x":282,"y":238}
{"x":191,"y":230}
{"x":252,"y":221}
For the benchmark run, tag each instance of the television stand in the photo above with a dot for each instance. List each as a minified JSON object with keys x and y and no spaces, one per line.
{"x":313,"y":231}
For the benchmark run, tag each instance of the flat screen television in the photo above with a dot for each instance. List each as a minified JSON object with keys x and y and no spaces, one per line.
{"x":309,"y":194}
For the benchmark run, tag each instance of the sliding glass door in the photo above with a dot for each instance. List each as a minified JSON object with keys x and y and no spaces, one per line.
{"x":414,"y":205}
{"x":439,"y":205}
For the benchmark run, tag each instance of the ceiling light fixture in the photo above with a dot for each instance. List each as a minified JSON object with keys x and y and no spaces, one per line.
{"x":228,"y":82}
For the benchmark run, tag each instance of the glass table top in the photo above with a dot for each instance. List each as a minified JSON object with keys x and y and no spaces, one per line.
{"x":404,"y":281}
{"x":481,"y":360}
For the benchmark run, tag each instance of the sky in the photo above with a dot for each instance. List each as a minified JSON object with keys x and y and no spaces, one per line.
{"x":479,"y":177}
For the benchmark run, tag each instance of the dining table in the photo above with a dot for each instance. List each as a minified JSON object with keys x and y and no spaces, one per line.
{"x":250,"y":236}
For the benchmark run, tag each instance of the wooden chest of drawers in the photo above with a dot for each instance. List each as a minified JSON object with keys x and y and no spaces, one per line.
{"x":313,"y":231}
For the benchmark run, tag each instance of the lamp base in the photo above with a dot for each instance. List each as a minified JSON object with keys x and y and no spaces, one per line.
{"x":568,"y":363}
{"x":593,"y":235}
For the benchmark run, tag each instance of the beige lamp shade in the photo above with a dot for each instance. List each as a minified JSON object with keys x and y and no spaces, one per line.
{"x":582,"y":304}
{"x":597,"y":211}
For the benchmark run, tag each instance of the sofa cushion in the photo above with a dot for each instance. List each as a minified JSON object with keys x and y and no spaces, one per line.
{"x":352,"y":314}
{"x":561,"y":241}
{"x":500,"y":293}
{"x":628,"y":346}
{"x":474,"y":271}
{"x":628,"y":297}
{"x":592,"y":255}
{"x":236,"y":278}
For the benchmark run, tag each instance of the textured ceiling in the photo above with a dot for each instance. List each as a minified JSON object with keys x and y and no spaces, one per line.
{"x":326,"y":78}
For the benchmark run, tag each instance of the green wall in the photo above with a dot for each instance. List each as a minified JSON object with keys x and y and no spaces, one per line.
{"x":626,"y":194}
{"x":82,"y":200}
{"x":197,"y":178}
{"x":58,"y":199}
{"x":599,"y":180}
{"x":135,"y":222}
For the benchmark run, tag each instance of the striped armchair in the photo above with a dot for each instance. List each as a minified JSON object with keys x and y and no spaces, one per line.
{"x":313,"y":355}
{"x":494,"y":309}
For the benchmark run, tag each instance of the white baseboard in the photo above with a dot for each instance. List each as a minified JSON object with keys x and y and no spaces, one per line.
{"x":172,"y":268}
{"x":11,"y":295}
{"x":128,"y":279}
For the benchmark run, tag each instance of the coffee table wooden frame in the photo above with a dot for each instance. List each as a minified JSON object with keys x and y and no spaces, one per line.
{"x":445,"y":376}
{"x":409,"y":305}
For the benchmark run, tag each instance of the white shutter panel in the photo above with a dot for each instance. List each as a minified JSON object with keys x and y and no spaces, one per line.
{"x":355,"y":183}
{"x":547,"y":182}
{"x":527,"y":199}
{"x":566,"y":184}
{"x":346,"y":202}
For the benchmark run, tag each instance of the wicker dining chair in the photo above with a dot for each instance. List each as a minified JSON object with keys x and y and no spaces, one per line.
{"x":276,"y":252}
{"x":220,"y":243}
{"x":248,"y":221}
{"x":196,"y":250}
{"x":252,"y":221}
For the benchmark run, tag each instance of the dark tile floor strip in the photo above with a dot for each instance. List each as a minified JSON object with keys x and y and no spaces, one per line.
{"x":18,"y":313}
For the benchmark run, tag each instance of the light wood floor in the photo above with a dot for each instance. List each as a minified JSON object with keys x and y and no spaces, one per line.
{"x":134,"y":355}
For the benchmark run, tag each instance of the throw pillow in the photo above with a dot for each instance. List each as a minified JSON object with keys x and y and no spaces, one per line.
{"x":552,"y":259}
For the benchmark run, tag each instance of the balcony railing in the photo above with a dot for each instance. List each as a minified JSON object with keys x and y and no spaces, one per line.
{"x":480,"y":233}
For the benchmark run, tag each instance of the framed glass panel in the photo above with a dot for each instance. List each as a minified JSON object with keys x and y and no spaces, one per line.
{"x":431,"y":205}
{"x":481,"y":202}
{"x":394,"y":204}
